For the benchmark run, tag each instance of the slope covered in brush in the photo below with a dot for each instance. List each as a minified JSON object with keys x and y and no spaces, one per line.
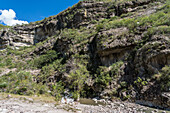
{"x":102,"y":49}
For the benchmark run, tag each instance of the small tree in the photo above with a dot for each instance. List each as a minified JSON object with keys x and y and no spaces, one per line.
{"x":78,"y":79}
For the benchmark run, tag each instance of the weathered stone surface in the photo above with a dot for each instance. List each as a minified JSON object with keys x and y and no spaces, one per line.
{"x":106,"y":48}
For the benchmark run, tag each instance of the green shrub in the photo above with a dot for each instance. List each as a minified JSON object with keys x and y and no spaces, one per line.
{"x":3,"y":85}
{"x":123,"y":84}
{"x":165,"y":78}
{"x":76,"y":95}
{"x":57,"y":90}
{"x":140,"y":83}
{"x":42,"y":60}
{"x":104,"y":76}
{"x":158,"y":30}
{"x":21,"y":83}
{"x":78,"y":79}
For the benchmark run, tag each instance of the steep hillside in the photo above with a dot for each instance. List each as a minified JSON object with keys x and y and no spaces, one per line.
{"x":105,"y":49}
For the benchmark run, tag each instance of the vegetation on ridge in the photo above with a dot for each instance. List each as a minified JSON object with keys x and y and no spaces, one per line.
{"x":3,"y":26}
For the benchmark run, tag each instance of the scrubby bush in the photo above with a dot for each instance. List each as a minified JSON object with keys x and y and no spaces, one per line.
{"x":21,"y":83}
{"x":78,"y":80}
{"x":105,"y":75}
{"x":42,"y":60}
{"x":140,"y":83}
{"x":165,"y":78}
{"x":57,"y":90}
{"x":3,"y":85}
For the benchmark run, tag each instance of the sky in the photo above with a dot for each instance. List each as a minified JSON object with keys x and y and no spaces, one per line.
{"x":14,"y":12}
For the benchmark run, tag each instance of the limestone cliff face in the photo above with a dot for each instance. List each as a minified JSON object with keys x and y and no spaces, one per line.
{"x":82,"y":14}
{"x":17,"y":37}
{"x":79,"y":15}
{"x":127,"y":41}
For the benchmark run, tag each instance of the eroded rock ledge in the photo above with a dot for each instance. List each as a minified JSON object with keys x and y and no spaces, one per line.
{"x":128,"y":60}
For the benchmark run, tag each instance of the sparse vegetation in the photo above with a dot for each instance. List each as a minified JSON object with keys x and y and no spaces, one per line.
{"x":3,"y":26}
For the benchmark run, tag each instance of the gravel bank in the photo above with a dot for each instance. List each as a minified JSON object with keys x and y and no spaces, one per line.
{"x":28,"y":105}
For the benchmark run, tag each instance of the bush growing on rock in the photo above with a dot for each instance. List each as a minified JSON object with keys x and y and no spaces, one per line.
{"x":119,"y":54}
